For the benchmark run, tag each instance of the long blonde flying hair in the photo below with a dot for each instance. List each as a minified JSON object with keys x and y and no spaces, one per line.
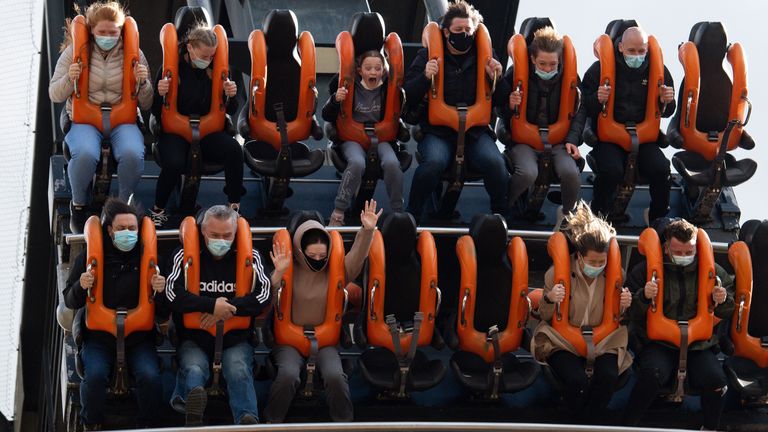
{"x":96,"y":12}
{"x":587,"y":231}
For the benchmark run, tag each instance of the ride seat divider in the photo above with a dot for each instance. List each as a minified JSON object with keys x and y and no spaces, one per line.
{"x":218,"y":349}
{"x":120,"y":388}
{"x":309,"y":333}
{"x":498,"y":366}
{"x":682,"y":368}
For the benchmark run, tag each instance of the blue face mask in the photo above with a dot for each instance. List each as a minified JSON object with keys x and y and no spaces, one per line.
{"x":546,"y":76}
{"x":591,"y":271}
{"x":200,"y":64}
{"x":634,"y":61}
{"x":125,"y":240}
{"x":219,"y":247}
{"x":106,"y":42}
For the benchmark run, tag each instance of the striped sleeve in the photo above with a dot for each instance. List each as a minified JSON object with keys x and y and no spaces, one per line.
{"x":261,"y":276}
{"x":175,"y":280}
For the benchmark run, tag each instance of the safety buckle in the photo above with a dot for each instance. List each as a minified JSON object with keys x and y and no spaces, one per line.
{"x":589,"y":371}
{"x":492,"y":330}
{"x":122,"y":312}
{"x":631,"y":128}
{"x":543,"y":130}
{"x":587,"y":331}
{"x":713,"y":136}
{"x":193,"y":121}
{"x":310,"y":367}
{"x":764,"y":342}
{"x":682,"y":323}
{"x":216,"y":367}
{"x":105,"y":107}
{"x":309,"y":333}
{"x":462,"y":108}
{"x":681,"y":374}
{"x":497,"y":368}
{"x":369,"y":128}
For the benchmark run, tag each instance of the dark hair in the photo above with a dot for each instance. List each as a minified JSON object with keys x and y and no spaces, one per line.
{"x":370,"y":53}
{"x":460,"y":9}
{"x":313,"y":236}
{"x":114,"y":207}
{"x":680,"y":229}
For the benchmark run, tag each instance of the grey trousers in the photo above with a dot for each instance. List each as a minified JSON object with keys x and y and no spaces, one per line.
{"x":352,"y":177}
{"x":289,"y":364}
{"x":525,"y":160}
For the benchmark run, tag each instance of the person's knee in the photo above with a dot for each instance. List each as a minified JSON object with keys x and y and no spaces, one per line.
{"x":391,"y":166}
{"x":97,"y":374}
{"x":336,"y":382}
{"x":525,"y":174}
{"x":356,"y":167}
{"x":570,"y":175}
{"x":652,"y":376}
{"x":147,"y":373}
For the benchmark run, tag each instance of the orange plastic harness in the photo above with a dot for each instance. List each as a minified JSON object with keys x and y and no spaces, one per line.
{"x":660,"y":327}
{"x":744,"y":345}
{"x":83,"y":110}
{"x":524,"y":132}
{"x":377,"y":330}
{"x":694,"y":139}
{"x":557,"y":246}
{"x":442,"y":114}
{"x":98,"y":316}
{"x":608,"y":129}
{"x":385,"y":130}
{"x":244,"y":274}
{"x":477,"y":342}
{"x":172,"y":121}
{"x":299,"y":128}
{"x":327,"y":333}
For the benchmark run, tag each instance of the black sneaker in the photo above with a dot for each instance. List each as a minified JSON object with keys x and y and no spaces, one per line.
{"x":158,"y":218}
{"x":247,"y":419}
{"x":195,"y":406}
{"x":77,"y":217}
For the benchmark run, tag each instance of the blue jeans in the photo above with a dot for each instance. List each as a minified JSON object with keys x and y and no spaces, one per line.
{"x":482,"y":156}
{"x":84,"y":143}
{"x":236,"y":366}
{"x":98,"y":363}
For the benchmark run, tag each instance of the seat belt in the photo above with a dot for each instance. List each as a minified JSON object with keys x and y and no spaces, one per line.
{"x":194,"y":164}
{"x":682,"y":367}
{"x":104,"y":176}
{"x":589,"y":366}
{"x":218,"y":348}
{"x":498,"y":367}
{"x":309,"y":333}
{"x":278,"y":186}
{"x":404,"y":361}
{"x":121,"y":385}
{"x":627,"y":187}
{"x":372,"y":165}
{"x":458,"y":163}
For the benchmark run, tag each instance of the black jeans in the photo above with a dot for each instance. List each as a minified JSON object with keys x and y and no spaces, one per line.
{"x":611,"y":159}
{"x":218,"y":148}
{"x":657,"y":367}
{"x":587,"y":400}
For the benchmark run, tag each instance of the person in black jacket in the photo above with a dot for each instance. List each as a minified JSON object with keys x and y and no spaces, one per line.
{"x":196,"y":54}
{"x":542,"y":108}
{"x":120,"y":288}
{"x":438,"y":147}
{"x":218,"y":302}
{"x":629,"y":107}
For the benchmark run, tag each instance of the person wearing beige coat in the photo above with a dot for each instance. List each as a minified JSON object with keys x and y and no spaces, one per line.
{"x":105,"y":80}
{"x":587,"y":397}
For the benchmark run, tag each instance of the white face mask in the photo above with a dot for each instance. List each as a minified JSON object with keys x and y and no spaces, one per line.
{"x":683,"y":260}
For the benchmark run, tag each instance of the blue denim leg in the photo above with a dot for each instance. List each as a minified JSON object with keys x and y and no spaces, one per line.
{"x":98,"y":361}
{"x":84,"y":144}
{"x":436,"y":156}
{"x":144,"y":366}
{"x":128,"y":147}
{"x":193,"y":372}
{"x":237,"y":367}
{"x":483,"y":156}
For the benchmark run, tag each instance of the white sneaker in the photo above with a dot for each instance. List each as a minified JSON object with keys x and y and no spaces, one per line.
{"x":158,"y":218}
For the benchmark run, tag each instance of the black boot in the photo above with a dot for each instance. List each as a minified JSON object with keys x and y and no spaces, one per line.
{"x":77,"y":217}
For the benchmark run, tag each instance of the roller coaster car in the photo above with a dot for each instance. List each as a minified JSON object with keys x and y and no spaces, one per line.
{"x":747,"y":369}
{"x":367,"y":34}
{"x":484,"y":362}
{"x":539,"y":137}
{"x":709,"y":133}
{"x":192,"y":127}
{"x":403,"y":303}
{"x":281,"y":112}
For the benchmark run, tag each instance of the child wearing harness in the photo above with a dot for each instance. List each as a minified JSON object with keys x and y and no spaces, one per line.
{"x":370,"y":94}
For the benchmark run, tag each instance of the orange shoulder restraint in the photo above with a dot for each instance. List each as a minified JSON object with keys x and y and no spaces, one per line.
{"x":377,"y":330}
{"x":327,"y":333}
{"x":527,"y":133}
{"x":608,"y":129}
{"x":470,"y":339}
{"x":694,"y":139}
{"x":665,"y":329}
{"x":557,"y":246}
{"x":172,"y":121}
{"x":385,"y":130}
{"x":442,"y":114}
{"x":244,"y":276}
{"x":83,"y":110}
{"x":98,"y":317}
{"x":298,"y":128}
{"x":744,"y":345}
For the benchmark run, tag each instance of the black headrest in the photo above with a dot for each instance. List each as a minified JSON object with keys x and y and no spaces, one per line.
{"x":189,"y":16}
{"x":489,"y":231}
{"x":531,"y":25}
{"x":368,"y":31}
{"x":399,"y":233}
{"x":299,"y":217}
{"x":660,"y":225}
{"x":615,"y":29}
{"x":748,"y":229}
{"x":711,"y":42}
{"x":281,"y":30}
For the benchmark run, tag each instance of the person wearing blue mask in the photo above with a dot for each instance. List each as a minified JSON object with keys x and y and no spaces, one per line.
{"x":631,"y":93}
{"x":105,"y":21}
{"x":543,"y":108}
{"x":217,"y":301}
{"x":122,"y":258}
{"x":658,"y":361}
{"x":587,"y":398}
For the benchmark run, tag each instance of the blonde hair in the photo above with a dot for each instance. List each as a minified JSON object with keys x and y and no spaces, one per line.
{"x":548,"y":40}
{"x":201,"y":34}
{"x":95,"y":13}
{"x":588,"y":232}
